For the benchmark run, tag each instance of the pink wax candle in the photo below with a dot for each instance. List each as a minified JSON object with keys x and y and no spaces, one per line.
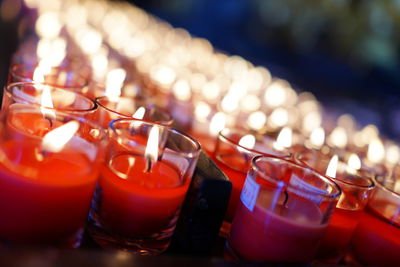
{"x":283,"y":212}
{"x":278,"y":235}
{"x":233,"y":156}
{"x":376,"y":240}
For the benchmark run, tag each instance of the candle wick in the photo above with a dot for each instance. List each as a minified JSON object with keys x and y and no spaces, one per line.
{"x":286,"y":197}
{"x":50,"y":121}
{"x":149,"y":164}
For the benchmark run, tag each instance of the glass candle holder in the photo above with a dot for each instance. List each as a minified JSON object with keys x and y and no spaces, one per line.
{"x":376,"y":240}
{"x":128,"y":89}
{"x":356,"y":186}
{"x":142,"y":186}
{"x":283,"y":212}
{"x":234,"y":151}
{"x":127,"y":107}
{"x":57,"y":76}
{"x":53,"y":98}
{"x":48,"y":173}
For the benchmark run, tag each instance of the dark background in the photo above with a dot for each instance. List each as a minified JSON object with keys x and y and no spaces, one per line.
{"x":346,"y":52}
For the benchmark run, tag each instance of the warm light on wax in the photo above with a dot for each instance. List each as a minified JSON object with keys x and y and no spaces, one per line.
{"x":55,"y":140}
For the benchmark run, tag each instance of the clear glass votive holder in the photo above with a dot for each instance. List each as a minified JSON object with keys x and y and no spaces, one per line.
{"x":142,"y":186}
{"x":57,"y":76}
{"x":376,"y":240}
{"x":235,"y":148}
{"x":356,"y":186}
{"x":51,"y":97}
{"x":283,"y":212}
{"x":48,"y":173}
{"x":128,"y":107}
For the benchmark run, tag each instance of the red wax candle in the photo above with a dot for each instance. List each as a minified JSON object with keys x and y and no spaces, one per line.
{"x":339,"y":232}
{"x":376,"y":240}
{"x":207,"y":142}
{"x":138,"y":203}
{"x":235,"y":166}
{"x":30,"y":124}
{"x":43,"y":200}
{"x":284,"y":234}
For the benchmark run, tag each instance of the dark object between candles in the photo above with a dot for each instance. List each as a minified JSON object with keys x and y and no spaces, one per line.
{"x":203,"y":210}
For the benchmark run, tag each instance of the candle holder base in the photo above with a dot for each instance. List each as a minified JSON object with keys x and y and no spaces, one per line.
{"x":140,"y":246}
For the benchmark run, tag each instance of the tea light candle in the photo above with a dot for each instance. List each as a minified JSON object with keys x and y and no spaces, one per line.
{"x":137,"y":202}
{"x":356,"y":188}
{"x":142,"y":186}
{"x":46,"y":188}
{"x":376,"y":240}
{"x":234,"y":150}
{"x":279,"y":218}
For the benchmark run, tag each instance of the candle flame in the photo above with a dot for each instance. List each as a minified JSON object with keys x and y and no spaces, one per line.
{"x":317,"y":137}
{"x":338,"y":137}
{"x":201,"y":111}
{"x":256,"y":120}
{"x":55,"y":140}
{"x":275,"y":94}
{"x":114,"y":82}
{"x":139,"y":113}
{"x":311,"y":121}
{"x":366,"y":135}
{"x":393,"y":154}
{"x":279,"y":117}
{"x":217,"y":123}
{"x":376,"y":151}
{"x":354,"y":162}
{"x":230,"y":103}
{"x":46,"y":103}
{"x":332,"y":166}
{"x":182,"y":90}
{"x":248,"y":141}
{"x":38,"y":75}
{"x":284,"y":139}
{"x":151,"y":152}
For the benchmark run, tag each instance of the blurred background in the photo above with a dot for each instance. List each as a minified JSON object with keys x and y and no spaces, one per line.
{"x":346,"y":52}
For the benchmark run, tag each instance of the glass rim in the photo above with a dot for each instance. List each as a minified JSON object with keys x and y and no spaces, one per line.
{"x":13,"y":73}
{"x":191,"y":154}
{"x":369,"y":186}
{"x":97,"y":100}
{"x":380,"y":185}
{"x":224,"y":136}
{"x":21,"y":84}
{"x":91,"y":123}
{"x":321,"y":177}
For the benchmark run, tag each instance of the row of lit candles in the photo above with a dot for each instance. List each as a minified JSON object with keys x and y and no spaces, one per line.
{"x":206,"y":92}
{"x":181,"y":75}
